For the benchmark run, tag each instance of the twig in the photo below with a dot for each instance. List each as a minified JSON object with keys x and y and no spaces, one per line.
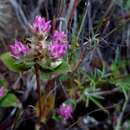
{"x":20,"y":15}
{"x":83,"y":20}
{"x":109,"y":8}
{"x":72,"y":9}
{"x":106,"y":92}
{"x":81,"y":57}
{"x":119,"y":120}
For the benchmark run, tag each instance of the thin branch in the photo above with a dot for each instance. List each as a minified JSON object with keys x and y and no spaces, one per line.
{"x":119,"y":120}
{"x":20,"y":15}
{"x":83,"y":21}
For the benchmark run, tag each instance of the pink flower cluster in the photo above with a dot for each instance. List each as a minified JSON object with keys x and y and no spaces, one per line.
{"x":65,"y":111}
{"x":40,"y":25}
{"x":18,"y":49}
{"x":60,"y":37}
{"x":57,"y":50}
{"x":59,"y":45}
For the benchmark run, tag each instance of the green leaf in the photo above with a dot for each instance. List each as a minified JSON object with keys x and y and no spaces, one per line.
{"x":13,"y":65}
{"x":128,"y":127}
{"x":1,"y":82}
{"x":97,"y":103}
{"x":126,"y":4}
{"x":44,"y":76}
{"x":63,"y":77}
{"x":56,"y":117}
{"x":45,"y":73}
{"x":123,"y":84}
{"x":62,"y":68}
{"x":9,"y":100}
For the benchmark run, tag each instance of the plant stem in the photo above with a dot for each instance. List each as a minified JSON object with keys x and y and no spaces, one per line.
{"x":119,"y":120}
{"x":38,"y":90}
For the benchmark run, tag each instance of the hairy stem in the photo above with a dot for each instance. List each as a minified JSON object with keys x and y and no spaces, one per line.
{"x":38,"y":90}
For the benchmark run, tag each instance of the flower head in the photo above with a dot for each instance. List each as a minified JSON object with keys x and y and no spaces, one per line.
{"x":57,"y":50}
{"x":59,"y":37}
{"x":18,"y":49}
{"x":1,"y":91}
{"x":40,"y":25}
{"x":58,"y":47}
{"x":65,"y":111}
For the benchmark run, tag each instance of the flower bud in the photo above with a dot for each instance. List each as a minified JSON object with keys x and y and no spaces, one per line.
{"x":65,"y":111}
{"x":18,"y":49}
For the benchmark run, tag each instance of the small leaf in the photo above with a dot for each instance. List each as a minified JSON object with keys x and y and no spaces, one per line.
{"x":46,"y":72}
{"x":56,"y":117}
{"x":56,"y":64}
{"x":12,"y":64}
{"x":97,"y":103}
{"x":9,"y":100}
{"x":1,"y":82}
{"x":44,"y":76}
{"x":64,"y":67}
{"x":63,"y":77}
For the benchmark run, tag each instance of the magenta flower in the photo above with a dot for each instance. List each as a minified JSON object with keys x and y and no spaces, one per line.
{"x":57,"y":50}
{"x":40,"y":25}
{"x":60,"y":37}
{"x":65,"y":111}
{"x":18,"y":49}
{"x":1,"y":92}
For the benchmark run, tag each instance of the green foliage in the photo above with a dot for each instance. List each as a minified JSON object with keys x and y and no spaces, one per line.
{"x":116,"y":75}
{"x":60,"y":67}
{"x":88,"y":96}
{"x":123,"y":83}
{"x":97,"y":77}
{"x":126,"y":4}
{"x":56,"y":117}
{"x":48,"y":71}
{"x":1,"y":82}
{"x":63,"y":68}
{"x":9,"y":100}
{"x":11,"y":64}
{"x":119,"y":76}
{"x":128,"y":125}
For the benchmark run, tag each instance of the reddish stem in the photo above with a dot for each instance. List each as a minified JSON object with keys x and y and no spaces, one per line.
{"x":38,"y":90}
{"x":72,"y":12}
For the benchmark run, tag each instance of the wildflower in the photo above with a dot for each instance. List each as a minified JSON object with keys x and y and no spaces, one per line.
{"x":59,"y":37}
{"x":57,"y":50}
{"x":58,"y":47}
{"x":65,"y":111}
{"x":40,"y":25}
{"x":1,"y":91}
{"x":18,"y":49}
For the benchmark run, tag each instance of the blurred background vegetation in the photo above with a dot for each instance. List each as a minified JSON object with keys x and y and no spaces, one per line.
{"x":99,"y":35}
